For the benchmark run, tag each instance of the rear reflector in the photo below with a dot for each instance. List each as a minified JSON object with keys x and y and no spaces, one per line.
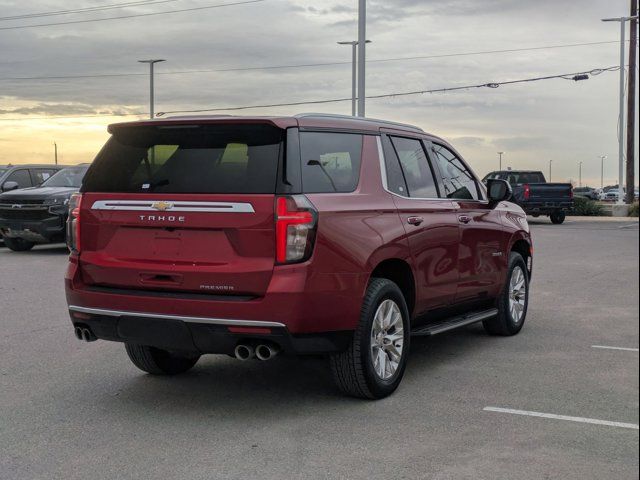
{"x":250,"y":330}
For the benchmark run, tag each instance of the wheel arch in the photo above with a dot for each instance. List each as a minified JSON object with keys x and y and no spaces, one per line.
{"x":399,"y":271}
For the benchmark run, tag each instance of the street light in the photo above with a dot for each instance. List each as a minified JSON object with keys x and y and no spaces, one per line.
{"x":622,"y":21}
{"x":362,"y":37}
{"x":602,"y":157}
{"x":354,"y":75}
{"x":580,"y":174}
{"x":151,"y":63}
{"x":500,"y":154}
{"x":550,"y":162}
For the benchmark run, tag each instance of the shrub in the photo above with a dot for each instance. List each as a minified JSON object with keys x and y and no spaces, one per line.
{"x":584,"y":207}
{"x":633,"y":210}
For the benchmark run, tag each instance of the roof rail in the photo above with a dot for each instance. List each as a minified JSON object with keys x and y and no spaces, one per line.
{"x":362,"y":119}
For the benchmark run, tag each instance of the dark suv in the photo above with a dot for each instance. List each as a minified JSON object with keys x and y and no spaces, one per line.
{"x":313,"y":234}
{"x":39,"y":214}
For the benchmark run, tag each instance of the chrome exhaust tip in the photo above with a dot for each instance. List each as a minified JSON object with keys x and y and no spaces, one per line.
{"x":266,"y":352}
{"x":78,"y":333}
{"x":244,"y":352}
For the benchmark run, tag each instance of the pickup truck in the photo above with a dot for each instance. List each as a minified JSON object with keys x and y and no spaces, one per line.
{"x":535,"y":195}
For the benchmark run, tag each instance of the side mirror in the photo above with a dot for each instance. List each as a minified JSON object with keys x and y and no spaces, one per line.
{"x":498,"y":190}
{"x":8,"y":186}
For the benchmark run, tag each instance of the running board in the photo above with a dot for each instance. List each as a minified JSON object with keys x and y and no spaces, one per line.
{"x":453,"y":323}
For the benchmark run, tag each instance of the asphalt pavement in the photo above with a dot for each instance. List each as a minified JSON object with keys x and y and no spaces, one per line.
{"x":554,"y":401}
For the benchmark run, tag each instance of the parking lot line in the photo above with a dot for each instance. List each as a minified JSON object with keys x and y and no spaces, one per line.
{"x":606,"y":347}
{"x":595,"y":421}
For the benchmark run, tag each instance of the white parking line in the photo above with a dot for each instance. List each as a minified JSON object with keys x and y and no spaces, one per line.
{"x":606,"y":347}
{"x":595,"y":421}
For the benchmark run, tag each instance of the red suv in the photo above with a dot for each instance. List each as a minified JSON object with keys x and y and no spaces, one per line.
{"x":313,"y":234}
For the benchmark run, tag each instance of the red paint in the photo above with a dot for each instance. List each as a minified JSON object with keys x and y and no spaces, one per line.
{"x":242,"y":254}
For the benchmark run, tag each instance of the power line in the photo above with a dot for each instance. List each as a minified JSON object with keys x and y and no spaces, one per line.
{"x":564,"y":76}
{"x":166,"y":12}
{"x":304,"y":65}
{"x":96,"y":8}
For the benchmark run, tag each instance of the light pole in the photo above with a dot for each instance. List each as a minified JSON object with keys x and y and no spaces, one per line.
{"x":151,"y":63}
{"x":550,"y":162}
{"x":580,"y":174}
{"x":602,"y":157}
{"x":362,"y":36}
{"x":500,"y":156}
{"x":623,"y":25}
{"x":354,"y":73}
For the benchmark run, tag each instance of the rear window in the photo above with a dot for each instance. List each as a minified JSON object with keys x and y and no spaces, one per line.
{"x":330,"y":161}
{"x":188,"y":159}
{"x":519,"y":178}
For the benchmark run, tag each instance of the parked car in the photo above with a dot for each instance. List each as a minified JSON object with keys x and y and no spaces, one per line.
{"x":39,"y":214}
{"x":13,"y":177}
{"x":313,"y":234}
{"x":587,"y":192}
{"x":535,"y":195}
{"x":612,"y":195}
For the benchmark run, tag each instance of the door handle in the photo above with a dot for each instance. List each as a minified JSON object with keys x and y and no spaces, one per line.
{"x":464,"y":219}
{"x":415,"y":220}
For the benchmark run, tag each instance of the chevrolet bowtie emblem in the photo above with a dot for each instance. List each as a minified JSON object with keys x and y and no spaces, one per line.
{"x":162,"y":206}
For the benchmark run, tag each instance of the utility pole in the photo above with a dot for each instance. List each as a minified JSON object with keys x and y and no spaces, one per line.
{"x":362,"y":36}
{"x":623,"y":25}
{"x":151,"y":63}
{"x":550,"y":162}
{"x":354,"y":73}
{"x":631,"y":103}
{"x":500,"y":156}
{"x":602,"y":157}
{"x":579,"y":174}
{"x":55,"y":152}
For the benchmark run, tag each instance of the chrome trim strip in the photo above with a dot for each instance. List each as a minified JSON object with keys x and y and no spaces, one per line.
{"x":173,"y":206}
{"x":213,"y":321}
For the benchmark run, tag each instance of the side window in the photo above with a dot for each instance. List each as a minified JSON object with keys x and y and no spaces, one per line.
{"x":415,"y":167}
{"x":41,"y":174}
{"x":21,"y":177}
{"x":330,"y":161}
{"x":395,"y":178}
{"x":458,"y":181}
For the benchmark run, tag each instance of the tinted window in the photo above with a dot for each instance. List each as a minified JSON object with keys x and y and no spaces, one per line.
{"x":21,"y":177}
{"x":519,"y":178}
{"x":415,"y":167}
{"x":457,"y":180}
{"x":67,"y":177}
{"x":330,"y":161}
{"x":188,"y":159}
{"x":41,"y":174}
{"x":395,"y":178}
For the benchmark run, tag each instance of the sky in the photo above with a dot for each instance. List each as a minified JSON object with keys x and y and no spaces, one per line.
{"x":560,"y":120}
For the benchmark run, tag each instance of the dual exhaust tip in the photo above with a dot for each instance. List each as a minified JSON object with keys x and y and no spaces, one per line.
{"x":83,"y":333}
{"x":261,"y":352}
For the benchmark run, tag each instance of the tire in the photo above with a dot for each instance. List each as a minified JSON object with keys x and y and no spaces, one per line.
{"x":355,"y":370}
{"x":18,"y":244}
{"x":159,"y":362}
{"x":506,"y":323}
{"x":557,"y":217}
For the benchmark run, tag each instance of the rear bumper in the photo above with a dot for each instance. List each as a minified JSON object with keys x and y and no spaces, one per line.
{"x":546,"y":208}
{"x":201,"y":335}
{"x":308,"y":313}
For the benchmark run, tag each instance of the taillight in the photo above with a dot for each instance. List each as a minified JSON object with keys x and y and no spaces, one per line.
{"x":571,"y":194}
{"x":527,"y":192}
{"x":295,"y":229}
{"x":73,"y":223}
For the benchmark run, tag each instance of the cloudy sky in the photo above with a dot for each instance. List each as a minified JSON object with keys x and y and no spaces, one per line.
{"x":556,"y":119}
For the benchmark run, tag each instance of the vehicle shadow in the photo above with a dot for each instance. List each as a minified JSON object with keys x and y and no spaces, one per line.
{"x":282,"y":387}
{"x":55,"y":249}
